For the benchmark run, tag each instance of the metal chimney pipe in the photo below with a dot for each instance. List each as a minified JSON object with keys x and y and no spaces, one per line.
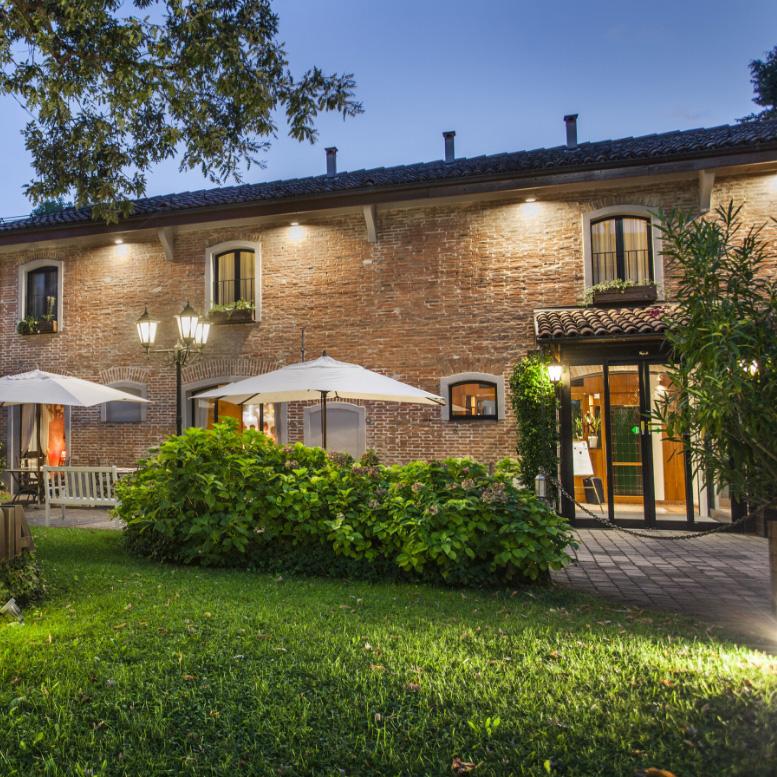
{"x":571,"y":121}
{"x":331,"y":160}
{"x":450,"y":153}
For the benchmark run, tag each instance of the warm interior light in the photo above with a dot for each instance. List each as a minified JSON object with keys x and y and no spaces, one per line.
{"x":118,"y":241}
{"x":146,"y":329}
{"x":554,"y":372}
{"x":202,"y":332}
{"x":187,"y":321}
{"x":294,"y":223}
{"x":530,"y":199}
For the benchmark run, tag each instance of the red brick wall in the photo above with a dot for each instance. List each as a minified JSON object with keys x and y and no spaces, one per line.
{"x":446,"y":289}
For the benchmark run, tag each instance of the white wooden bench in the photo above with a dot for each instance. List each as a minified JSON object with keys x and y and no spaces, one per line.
{"x":79,"y":487}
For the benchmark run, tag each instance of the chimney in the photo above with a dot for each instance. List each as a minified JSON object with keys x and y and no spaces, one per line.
{"x":331,"y":161}
{"x":450,"y":154}
{"x":571,"y":121}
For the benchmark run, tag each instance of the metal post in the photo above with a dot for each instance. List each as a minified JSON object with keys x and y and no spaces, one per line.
{"x":178,"y":403}
{"x":323,"y":419}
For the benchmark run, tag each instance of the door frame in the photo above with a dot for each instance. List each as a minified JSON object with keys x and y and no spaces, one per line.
{"x":640,"y":354}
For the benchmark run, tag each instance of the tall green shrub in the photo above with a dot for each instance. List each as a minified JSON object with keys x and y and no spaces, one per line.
{"x":534,"y":405}
{"x":723,"y":331}
{"x":219,"y":497}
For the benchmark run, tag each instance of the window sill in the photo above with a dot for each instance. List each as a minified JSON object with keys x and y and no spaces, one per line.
{"x":474,"y":419}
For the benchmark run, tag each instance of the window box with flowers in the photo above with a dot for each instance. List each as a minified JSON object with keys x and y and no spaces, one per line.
{"x":238,"y":312}
{"x":40,"y":325}
{"x":618,"y":292}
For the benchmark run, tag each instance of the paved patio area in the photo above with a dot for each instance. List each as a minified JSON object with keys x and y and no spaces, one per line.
{"x":723,"y":578}
{"x":91,"y":518}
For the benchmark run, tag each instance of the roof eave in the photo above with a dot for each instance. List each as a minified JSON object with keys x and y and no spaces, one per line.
{"x":396,"y":193}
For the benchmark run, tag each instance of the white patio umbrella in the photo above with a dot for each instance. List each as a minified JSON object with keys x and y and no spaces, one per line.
{"x":47,"y":388}
{"x":321,"y":378}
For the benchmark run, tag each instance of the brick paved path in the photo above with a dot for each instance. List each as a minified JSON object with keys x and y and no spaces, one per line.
{"x":723,"y":578}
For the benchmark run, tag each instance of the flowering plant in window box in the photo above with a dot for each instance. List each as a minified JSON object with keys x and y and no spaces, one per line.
{"x":619,"y":292}
{"x":238,"y":312}
{"x":36,"y":326}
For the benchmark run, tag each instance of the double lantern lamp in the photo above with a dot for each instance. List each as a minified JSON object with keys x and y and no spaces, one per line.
{"x":193,"y":331}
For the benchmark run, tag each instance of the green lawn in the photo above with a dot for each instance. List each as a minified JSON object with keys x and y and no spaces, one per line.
{"x":139,"y":669}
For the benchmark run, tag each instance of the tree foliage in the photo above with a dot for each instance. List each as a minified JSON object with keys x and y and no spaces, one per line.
{"x":763,"y":77}
{"x":115,"y":87}
{"x":724,"y":334}
{"x":534,"y":404}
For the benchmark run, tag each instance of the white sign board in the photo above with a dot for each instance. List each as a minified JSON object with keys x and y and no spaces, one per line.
{"x":581,"y":459}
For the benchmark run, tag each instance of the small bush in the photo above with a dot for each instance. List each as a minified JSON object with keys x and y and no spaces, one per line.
{"x":219,"y":497}
{"x":21,"y":579}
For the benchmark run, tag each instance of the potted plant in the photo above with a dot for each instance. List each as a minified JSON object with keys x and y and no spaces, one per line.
{"x":239,"y":312}
{"x":578,"y":428}
{"x":48,"y":321}
{"x":27,"y":326}
{"x":619,"y":292}
{"x":594,"y":424}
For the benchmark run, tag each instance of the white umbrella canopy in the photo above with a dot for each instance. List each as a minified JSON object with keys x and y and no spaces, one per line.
{"x":48,"y":388}
{"x":321,"y":378}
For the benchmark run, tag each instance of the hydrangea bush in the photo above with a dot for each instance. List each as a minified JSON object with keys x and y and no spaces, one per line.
{"x":223,"y":498}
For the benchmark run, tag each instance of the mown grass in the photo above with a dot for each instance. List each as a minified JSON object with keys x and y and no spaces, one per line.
{"x":131,"y":668}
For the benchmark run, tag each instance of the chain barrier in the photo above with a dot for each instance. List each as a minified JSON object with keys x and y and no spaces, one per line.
{"x":654,"y":534}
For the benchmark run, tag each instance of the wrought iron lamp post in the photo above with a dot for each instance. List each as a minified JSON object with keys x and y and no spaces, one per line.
{"x":193,"y":332}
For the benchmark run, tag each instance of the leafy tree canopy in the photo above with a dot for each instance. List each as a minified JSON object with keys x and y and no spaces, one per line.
{"x":50,"y":206}
{"x":763,"y":74}
{"x":115,"y":87}
{"x":724,"y":332}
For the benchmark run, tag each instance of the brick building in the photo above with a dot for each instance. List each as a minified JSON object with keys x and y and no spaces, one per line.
{"x":440,"y":274}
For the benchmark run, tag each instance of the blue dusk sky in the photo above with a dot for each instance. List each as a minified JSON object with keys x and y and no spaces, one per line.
{"x":502,"y":74}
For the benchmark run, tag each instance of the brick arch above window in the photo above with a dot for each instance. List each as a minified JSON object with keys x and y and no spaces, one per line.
{"x":39,"y":264}
{"x":206,"y":369}
{"x":625,"y":210}
{"x":124,"y":374}
{"x":214,"y":251}
{"x":472,"y":377}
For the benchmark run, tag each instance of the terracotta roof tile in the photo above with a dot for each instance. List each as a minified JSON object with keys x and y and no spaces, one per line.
{"x":664,"y":147}
{"x":564,"y":323}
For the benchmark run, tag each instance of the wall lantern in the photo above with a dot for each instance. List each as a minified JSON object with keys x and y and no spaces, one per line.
{"x":555,"y":371}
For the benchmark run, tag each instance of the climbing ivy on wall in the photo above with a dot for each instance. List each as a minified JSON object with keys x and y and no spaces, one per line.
{"x":534,"y":405}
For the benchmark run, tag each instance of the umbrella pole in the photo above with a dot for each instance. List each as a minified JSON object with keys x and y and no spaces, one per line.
{"x":323,"y":419}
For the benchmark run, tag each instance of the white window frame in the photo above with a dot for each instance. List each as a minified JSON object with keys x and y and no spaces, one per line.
{"x":233,"y":245}
{"x":611,"y":211}
{"x":37,"y":264}
{"x":358,"y":410}
{"x":122,"y":385}
{"x":473,"y":377}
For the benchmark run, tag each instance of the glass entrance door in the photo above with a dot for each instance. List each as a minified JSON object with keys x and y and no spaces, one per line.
{"x":627,"y":457}
{"x":621,"y":463}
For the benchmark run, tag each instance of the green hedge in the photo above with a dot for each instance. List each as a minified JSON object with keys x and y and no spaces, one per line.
{"x":21,"y":579}
{"x":222,"y":498}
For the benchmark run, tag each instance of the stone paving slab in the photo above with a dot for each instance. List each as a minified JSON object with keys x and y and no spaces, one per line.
{"x":723,"y":578}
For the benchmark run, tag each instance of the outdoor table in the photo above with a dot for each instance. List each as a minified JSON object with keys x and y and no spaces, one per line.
{"x":23,"y":485}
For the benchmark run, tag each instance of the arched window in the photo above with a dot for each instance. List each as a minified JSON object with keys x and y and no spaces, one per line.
{"x":346,"y":427}
{"x":622,"y":249}
{"x":473,"y":400}
{"x":234,"y":277}
{"x":126,"y":412}
{"x":473,"y":396}
{"x":40,"y":293}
